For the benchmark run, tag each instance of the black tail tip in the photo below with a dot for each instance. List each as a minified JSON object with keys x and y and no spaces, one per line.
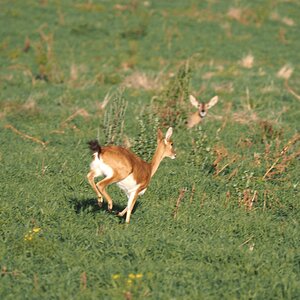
{"x":94,"y":146}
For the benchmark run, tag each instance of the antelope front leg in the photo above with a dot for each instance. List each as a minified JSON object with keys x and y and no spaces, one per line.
{"x":123,"y":212}
{"x":131,"y":201}
{"x":91,"y":176}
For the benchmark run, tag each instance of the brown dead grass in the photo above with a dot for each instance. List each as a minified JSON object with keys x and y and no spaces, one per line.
{"x":245,"y":16}
{"x":283,"y":158}
{"x":25,"y":135}
{"x":223,"y":159}
{"x":77,"y":76}
{"x":247,"y":61}
{"x":249,"y":197}
{"x":285,"y":72}
{"x":241,"y":15}
{"x":139,"y":80}
{"x":235,"y":14}
{"x":245,"y":117}
{"x":284,"y":20}
{"x":226,"y":87}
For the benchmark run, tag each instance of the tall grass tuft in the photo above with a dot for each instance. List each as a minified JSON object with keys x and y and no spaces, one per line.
{"x":201,"y":152}
{"x":175,"y":97}
{"x":179,"y":86}
{"x":46,"y":59}
{"x":114,"y":119}
{"x":145,"y":142}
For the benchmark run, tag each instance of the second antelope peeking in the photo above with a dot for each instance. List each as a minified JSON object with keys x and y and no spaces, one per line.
{"x":202,"y":107}
{"x":127,"y":170}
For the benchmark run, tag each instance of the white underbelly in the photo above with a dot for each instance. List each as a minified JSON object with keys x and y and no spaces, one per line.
{"x":128,"y":184}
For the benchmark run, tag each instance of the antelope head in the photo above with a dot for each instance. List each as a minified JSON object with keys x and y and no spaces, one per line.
{"x":202,"y":107}
{"x":165,"y":143}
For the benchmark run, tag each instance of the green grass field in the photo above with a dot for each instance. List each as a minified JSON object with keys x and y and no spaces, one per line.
{"x":221,"y":221}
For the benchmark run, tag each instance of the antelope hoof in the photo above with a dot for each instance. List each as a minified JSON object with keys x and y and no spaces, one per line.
{"x":100,"y":202}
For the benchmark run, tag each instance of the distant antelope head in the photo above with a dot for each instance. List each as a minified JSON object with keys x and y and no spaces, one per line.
{"x":121,"y":166}
{"x":202,"y":107}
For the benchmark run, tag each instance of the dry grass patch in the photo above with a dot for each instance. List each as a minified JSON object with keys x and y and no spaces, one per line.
{"x":223,"y":159}
{"x":285,"y":20}
{"x":285,"y":72}
{"x":245,"y":117}
{"x":235,"y":14}
{"x":247,"y":61}
{"x":226,"y":87}
{"x":282,"y":159}
{"x":241,"y":15}
{"x":77,"y":76}
{"x":140,"y":80}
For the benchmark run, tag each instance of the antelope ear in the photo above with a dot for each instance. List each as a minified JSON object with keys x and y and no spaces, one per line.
{"x":194,"y":101}
{"x":160,"y":135}
{"x":169,"y":134}
{"x":213,"y":101}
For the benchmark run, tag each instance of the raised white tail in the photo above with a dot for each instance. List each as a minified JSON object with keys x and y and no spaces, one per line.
{"x":121,"y":166}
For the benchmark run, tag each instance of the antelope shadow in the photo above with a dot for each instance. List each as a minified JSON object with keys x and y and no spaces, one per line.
{"x":90,"y":205}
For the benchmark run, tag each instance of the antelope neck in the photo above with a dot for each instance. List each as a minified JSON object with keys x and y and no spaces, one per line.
{"x":156,"y":160}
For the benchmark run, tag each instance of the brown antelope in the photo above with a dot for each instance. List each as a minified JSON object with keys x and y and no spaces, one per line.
{"x":198,"y":116}
{"x":121,"y":166}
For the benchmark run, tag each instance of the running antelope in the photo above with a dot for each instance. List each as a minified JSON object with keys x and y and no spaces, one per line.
{"x":198,"y":116}
{"x":127,"y":170}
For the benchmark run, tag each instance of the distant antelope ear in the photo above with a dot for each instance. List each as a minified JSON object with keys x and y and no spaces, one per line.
{"x":160,"y":135}
{"x":194,"y":101}
{"x":169,"y":134}
{"x":213,"y":101}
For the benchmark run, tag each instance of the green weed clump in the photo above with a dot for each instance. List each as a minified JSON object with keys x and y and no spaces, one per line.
{"x":201,"y":152}
{"x":173,"y":100}
{"x":114,"y":118}
{"x":145,"y":142}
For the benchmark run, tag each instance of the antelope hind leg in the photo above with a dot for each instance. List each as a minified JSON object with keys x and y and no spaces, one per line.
{"x":91,"y":176}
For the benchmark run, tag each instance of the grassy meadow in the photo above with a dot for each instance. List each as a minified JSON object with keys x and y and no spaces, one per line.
{"x":221,"y":221}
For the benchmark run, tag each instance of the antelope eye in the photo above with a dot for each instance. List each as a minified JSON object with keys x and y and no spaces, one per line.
{"x":172,"y":144}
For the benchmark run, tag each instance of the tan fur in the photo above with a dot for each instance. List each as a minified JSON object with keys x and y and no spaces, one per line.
{"x":130,"y":172}
{"x":194,"y":119}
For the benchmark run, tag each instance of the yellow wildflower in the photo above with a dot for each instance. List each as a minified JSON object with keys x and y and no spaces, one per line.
{"x":36,"y":229}
{"x":132,"y":276}
{"x":28,"y":237}
{"x":129,"y":281}
{"x":139,"y":275}
{"x":115,"y":276}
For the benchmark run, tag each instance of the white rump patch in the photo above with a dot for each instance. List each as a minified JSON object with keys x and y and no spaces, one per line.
{"x":100,"y":168}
